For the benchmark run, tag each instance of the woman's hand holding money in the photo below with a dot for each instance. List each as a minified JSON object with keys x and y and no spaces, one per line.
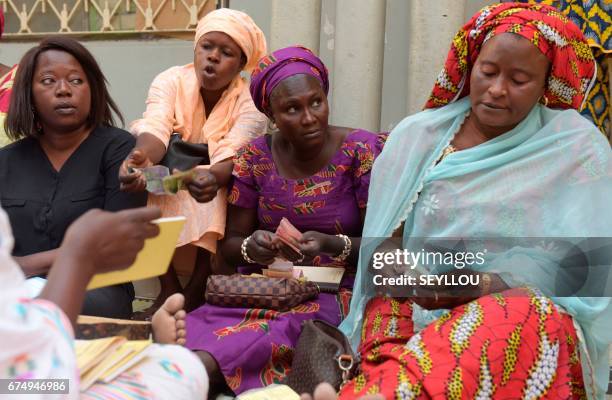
{"x":262,"y":247}
{"x":130,"y":175}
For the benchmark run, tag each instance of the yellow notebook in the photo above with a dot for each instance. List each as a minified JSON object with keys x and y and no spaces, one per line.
{"x":91,"y":352}
{"x":153,"y":259}
{"x":136,"y":353}
{"x":104,"y":359}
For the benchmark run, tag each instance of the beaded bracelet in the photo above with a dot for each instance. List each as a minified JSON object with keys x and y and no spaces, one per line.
{"x":243,"y":251}
{"x":347,"y":248}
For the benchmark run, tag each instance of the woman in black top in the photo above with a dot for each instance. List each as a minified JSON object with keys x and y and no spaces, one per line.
{"x":66,"y":159}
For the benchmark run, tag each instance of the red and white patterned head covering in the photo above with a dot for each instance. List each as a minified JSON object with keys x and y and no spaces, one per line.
{"x":560,"y":40}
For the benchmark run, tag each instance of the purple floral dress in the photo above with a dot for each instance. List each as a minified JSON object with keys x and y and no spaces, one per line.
{"x":254,"y":347}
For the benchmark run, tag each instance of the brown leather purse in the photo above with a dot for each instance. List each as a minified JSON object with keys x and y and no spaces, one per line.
{"x":280,"y":294}
{"x":322,"y":354}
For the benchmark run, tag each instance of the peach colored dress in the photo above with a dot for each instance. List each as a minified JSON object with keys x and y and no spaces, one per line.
{"x":174,"y":105}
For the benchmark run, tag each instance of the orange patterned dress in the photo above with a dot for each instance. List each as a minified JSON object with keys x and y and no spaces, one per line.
{"x":515,"y":344}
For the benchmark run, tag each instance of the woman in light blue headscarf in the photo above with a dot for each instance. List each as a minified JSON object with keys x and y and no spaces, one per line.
{"x":517,"y":184}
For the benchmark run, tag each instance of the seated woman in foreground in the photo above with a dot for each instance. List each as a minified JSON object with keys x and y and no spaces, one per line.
{"x":37,"y":334}
{"x":311,"y":173}
{"x":65,"y":161}
{"x":500,"y":153}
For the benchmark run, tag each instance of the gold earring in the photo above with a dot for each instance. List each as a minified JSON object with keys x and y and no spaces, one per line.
{"x":271,"y":125}
{"x":544,"y":100}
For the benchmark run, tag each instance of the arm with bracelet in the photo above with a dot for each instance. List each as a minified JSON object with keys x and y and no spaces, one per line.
{"x":340,"y":247}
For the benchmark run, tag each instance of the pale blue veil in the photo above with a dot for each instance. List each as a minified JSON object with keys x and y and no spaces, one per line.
{"x":549,"y":177}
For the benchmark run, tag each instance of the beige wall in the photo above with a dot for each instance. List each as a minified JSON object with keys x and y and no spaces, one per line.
{"x":383,"y":55}
{"x":129,"y":66}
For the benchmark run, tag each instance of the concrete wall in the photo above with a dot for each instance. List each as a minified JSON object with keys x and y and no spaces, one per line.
{"x":129,"y":66}
{"x":418,"y":37}
{"x":383,"y":55}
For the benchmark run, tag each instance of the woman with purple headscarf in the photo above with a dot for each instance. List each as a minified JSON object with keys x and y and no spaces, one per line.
{"x":309,"y":172}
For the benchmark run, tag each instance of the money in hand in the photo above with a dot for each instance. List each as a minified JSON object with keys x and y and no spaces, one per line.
{"x":160,"y":181}
{"x":289,"y":235}
{"x":154,"y":176}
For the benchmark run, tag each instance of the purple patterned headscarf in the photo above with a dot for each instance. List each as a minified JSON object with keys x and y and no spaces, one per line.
{"x":274,"y":68}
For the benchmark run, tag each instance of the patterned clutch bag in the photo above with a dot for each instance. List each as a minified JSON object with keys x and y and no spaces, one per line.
{"x":280,"y":294}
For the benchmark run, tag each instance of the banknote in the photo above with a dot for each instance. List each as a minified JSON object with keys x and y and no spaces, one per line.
{"x":160,"y":181}
{"x":289,"y":235}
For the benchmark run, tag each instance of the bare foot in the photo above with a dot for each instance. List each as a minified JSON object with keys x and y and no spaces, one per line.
{"x":169,"y":321}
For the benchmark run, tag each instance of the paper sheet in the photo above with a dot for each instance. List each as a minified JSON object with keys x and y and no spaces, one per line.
{"x":153,"y":259}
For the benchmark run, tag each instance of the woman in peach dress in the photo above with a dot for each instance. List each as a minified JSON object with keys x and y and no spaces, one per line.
{"x":206,"y":101}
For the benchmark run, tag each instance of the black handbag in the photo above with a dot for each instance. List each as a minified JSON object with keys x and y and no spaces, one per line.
{"x":183,"y":155}
{"x":322,"y":354}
